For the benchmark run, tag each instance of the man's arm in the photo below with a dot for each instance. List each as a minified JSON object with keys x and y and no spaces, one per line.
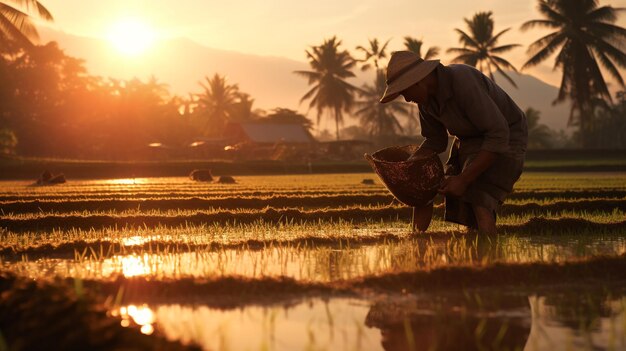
{"x":472,"y":96}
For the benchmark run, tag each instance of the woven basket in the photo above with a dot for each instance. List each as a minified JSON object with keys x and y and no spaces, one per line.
{"x":415,"y":182}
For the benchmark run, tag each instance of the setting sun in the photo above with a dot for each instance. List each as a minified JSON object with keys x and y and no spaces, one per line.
{"x":131,"y":37}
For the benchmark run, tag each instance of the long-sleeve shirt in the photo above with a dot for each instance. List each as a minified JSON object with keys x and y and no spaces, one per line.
{"x":473,"y":108}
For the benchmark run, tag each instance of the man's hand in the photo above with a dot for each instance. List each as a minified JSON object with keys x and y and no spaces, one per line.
{"x":453,"y":185}
{"x":456,"y":185}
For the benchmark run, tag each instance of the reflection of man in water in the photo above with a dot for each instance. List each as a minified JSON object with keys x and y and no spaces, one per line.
{"x":405,"y":326}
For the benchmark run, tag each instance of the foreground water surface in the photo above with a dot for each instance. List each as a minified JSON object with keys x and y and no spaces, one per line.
{"x":563,"y":318}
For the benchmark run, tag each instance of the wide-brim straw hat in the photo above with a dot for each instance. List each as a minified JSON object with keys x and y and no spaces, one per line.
{"x":405,"y":69}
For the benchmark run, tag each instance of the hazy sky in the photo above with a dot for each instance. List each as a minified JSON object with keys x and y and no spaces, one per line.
{"x":287,"y":27}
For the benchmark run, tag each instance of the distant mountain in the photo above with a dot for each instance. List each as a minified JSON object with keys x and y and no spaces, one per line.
{"x":532,"y":92}
{"x":182,"y":63}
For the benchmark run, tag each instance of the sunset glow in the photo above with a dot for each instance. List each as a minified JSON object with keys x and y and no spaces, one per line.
{"x":131,"y":37}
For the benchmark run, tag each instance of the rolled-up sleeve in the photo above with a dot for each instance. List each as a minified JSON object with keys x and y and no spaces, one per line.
{"x":434,"y":133}
{"x":473,"y":98}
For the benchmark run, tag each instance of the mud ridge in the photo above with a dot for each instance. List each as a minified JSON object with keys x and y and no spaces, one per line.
{"x":232,"y":291}
{"x":284,"y":215}
{"x":270,"y":215}
{"x":195,"y":203}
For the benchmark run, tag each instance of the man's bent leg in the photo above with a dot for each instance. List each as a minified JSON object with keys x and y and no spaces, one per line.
{"x":485,"y":219}
{"x":422,"y":217}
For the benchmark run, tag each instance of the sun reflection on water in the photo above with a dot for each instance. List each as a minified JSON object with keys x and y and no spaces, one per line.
{"x":133,"y":266}
{"x":136,"y":240}
{"x":127,"y":181}
{"x":141,"y":315}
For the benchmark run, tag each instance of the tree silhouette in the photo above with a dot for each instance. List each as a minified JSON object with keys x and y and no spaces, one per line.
{"x":379,"y":119}
{"x":374,"y":53}
{"x":330,"y":67}
{"x":242,"y":108}
{"x":480,"y":46}
{"x":216,"y":103}
{"x":16,"y":24}
{"x":584,"y":34}
{"x":539,"y":135}
{"x":415,"y":46}
{"x":287,"y":116}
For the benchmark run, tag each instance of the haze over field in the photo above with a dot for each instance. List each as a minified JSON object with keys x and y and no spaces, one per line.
{"x":259,"y":44}
{"x":181,"y":63}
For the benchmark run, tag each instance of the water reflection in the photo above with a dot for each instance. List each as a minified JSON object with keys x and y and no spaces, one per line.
{"x":134,"y":265}
{"x":323,"y":263}
{"x":141,"y":315}
{"x":564,"y":319}
{"x":126,"y":181}
{"x":407,"y":324}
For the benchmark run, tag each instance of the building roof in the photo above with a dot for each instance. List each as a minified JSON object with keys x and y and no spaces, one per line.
{"x":273,"y":133}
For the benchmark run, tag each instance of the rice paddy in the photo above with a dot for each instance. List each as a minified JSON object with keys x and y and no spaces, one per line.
{"x":317,"y":262}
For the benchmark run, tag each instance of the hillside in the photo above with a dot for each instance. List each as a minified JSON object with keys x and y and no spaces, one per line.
{"x":182,"y":63}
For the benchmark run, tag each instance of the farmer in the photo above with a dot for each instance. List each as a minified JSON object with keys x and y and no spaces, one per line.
{"x":490,"y":130}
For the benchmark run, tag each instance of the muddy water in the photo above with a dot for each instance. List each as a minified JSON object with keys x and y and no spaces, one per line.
{"x":567,"y":318}
{"x":325,"y":264}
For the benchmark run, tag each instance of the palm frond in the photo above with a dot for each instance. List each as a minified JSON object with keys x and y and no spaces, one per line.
{"x":309,"y":93}
{"x":494,"y":61}
{"x":614,"y":53}
{"x":597,"y":78}
{"x":468,"y":59}
{"x":42,"y":12}
{"x":431,"y":53}
{"x":607,"y":30}
{"x":539,"y":23}
{"x":16,"y":24}
{"x":610,"y":67}
{"x":466,"y":40}
{"x":496,"y":37}
{"x":545,"y":9}
{"x":602,"y":14}
{"x":310,"y":75}
{"x":504,"y":63}
{"x":461,"y":51}
{"x":553,"y":43}
{"x":504,"y":48}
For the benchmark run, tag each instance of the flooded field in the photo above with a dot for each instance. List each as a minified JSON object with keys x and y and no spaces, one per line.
{"x":314,"y":262}
{"x":554,"y":319}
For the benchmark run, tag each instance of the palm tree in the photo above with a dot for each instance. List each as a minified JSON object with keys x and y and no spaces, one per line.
{"x":584,"y":34}
{"x":379,"y":119}
{"x":157,"y":88}
{"x":330,"y":69}
{"x":217,"y":102}
{"x":15,"y":23}
{"x":480,"y":46}
{"x":286,"y":116}
{"x":374,"y":53}
{"x":415,"y":45}
{"x":242,"y":109}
